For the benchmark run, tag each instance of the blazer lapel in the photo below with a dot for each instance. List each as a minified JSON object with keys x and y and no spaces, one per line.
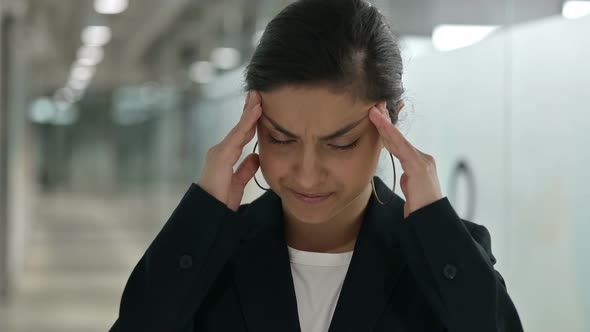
{"x":375,"y":266}
{"x":263,"y":272}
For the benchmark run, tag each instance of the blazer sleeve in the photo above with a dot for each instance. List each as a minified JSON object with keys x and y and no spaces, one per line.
{"x":173,"y":276}
{"x":453,"y":262}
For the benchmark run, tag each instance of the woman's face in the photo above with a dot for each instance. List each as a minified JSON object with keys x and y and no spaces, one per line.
{"x":316,"y":141}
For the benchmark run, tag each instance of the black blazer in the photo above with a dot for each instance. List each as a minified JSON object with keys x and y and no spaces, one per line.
{"x":213,"y":269}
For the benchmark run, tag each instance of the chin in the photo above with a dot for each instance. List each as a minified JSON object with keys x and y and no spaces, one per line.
{"x":309,"y":216}
{"x":309,"y":213}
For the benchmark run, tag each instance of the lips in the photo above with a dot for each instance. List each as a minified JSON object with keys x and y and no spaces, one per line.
{"x":308,"y":199}
{"x":312,"y":195}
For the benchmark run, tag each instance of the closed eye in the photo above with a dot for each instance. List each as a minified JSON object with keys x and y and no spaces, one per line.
{"x":336,"y":147}
{"x":276,"y":141}
{"x":347,"y":147}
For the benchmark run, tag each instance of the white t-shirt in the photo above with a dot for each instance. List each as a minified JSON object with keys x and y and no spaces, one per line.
{"x":318,"y":279}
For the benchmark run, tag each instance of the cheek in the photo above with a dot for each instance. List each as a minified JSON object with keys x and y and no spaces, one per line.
{"x":273,"y":163}
{"x":357,"y":164}
{"x":374,"y":148}
{"x":361,"y":163}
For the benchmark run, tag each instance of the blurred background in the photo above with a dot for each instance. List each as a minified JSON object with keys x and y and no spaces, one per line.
{"x":108,"y":107}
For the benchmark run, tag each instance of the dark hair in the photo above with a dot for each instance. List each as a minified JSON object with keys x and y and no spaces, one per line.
{"x":343,"y":44}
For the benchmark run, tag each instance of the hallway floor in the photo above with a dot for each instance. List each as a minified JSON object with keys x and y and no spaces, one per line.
{"x":81,"y":252}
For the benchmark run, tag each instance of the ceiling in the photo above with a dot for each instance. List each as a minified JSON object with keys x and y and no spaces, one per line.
{"x":156,"y":39}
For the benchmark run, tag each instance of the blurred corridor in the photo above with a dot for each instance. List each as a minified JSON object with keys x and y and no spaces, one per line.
{"x":78,"y":258}
{"x":107,"y":108}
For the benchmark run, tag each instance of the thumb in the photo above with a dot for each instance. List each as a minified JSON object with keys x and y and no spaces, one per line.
{"x":240,"y":178}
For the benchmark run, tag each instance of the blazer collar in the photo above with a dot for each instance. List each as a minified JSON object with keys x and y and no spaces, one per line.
{"x":263,"y":271}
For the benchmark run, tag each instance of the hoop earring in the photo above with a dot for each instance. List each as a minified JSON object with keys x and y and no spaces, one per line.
{"x":392,"y":193}
{"x":253,"y":151}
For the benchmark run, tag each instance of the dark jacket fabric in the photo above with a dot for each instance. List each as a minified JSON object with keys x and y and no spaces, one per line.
{"x":213,"y":269}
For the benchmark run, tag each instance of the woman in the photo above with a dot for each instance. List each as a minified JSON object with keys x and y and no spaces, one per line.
{"x":328,"y":247}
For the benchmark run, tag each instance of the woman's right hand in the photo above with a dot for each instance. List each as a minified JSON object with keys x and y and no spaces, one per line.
{"x":218,"y":177}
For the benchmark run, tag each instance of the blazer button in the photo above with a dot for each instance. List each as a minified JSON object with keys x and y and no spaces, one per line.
{"x":450,"y":271}
{"x":185,"y":262}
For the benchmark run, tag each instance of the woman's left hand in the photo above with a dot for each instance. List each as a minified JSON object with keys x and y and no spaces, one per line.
{"x":419,"y":182}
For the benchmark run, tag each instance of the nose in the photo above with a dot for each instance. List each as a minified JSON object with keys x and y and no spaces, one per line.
{"x":309,"y":171}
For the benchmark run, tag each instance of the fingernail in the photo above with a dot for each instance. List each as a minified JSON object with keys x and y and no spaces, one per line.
{"x":248,"y":96}
{"x":379,"y":110}
{"x":383,"y":110}
{"x":376,"y":111}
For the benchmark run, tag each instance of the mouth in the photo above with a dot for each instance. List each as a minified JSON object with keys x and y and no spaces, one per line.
{"x":311,"y":198}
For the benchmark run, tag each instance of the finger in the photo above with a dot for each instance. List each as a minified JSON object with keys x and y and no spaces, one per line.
{"x":247,"y":169}
{"x":403,"y":183}
{"x":393,"y":139}
{"x":240,"y":179}
{"x":247,"y":100}
{"x":255,"y":98}
{"x":244,"y":130}
{"x":252,"y":99}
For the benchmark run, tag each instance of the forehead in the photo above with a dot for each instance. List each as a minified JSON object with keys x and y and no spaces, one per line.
{"x":313,"y":107}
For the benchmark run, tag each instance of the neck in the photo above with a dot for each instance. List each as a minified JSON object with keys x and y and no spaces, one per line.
{"x":336,"y":235}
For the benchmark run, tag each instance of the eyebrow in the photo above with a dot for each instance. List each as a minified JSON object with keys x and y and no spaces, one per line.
{"x":328,"y":137}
